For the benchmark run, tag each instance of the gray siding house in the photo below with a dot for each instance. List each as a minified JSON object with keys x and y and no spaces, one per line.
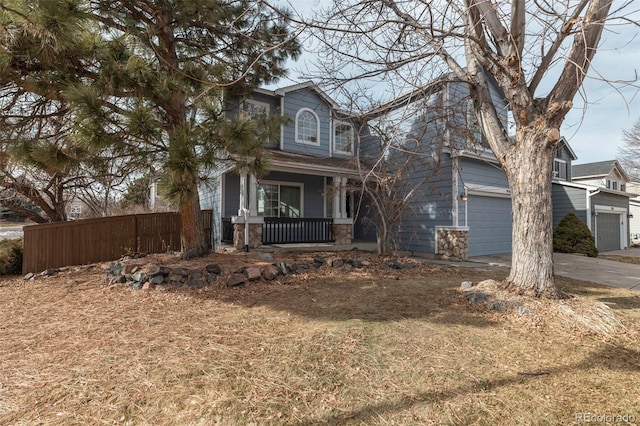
{"x":597,"y":194}
{"x":466,"y":199}
{"x":303,"y":197}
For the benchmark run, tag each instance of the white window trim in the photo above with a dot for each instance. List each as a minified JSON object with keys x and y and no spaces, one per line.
{"x":300,"y":141}
{"x":284,"y":183}
{"x":256,"y":103}
{"x":564,"y":164}
{"x":335,"y":126}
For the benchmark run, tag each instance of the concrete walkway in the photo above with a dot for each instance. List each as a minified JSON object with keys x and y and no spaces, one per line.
{"x":600,"y":271}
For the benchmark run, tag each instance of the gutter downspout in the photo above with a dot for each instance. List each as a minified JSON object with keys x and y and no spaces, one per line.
{"x":589,"y":195}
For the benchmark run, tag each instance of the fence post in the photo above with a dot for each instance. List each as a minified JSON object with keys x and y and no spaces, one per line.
{"x":135,"y":234}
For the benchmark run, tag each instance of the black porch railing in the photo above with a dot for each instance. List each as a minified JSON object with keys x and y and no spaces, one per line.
{"x":282,"y":230}
{"x":227,"y":230}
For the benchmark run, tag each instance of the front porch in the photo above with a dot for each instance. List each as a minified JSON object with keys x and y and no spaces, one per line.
{"x":283,"y":230}
{"x":274,"y":210}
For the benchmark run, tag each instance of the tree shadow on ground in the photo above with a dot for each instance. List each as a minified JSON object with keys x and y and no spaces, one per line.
{"x":628,"y":302}
{"x":376,"y":298}
{"x":609,"y":358}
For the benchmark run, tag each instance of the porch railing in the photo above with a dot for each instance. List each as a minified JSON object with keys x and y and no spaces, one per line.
{"x":227,"y":230}
{"x":282,"y":230}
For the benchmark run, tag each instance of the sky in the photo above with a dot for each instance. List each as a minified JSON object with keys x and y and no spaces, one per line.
{"x":593,"y":129}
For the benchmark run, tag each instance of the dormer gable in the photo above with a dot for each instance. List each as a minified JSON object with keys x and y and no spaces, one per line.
{"x":605,"y":174}
{"x":563,"y":160}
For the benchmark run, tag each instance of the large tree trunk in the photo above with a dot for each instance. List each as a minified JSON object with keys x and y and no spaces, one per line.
{"x":529,"y":166}
{"x":193,"y":239}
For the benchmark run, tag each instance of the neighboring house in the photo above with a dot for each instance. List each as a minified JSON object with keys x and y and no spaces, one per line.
{"x":303,"y":197}
{"x":634,"y":213}
{"x":597,"y":194}
{"x":465,"y":207}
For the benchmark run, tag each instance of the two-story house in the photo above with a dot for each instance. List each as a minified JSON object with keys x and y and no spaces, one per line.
{"x":464,"y":207}
{"x":303,"y":197}
{"x":597,"y":194}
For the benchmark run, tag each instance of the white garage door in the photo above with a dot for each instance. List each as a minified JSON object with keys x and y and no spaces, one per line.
{"x":489,"y":221}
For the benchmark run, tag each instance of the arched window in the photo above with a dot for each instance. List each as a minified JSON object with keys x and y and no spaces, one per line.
{"x":307,"y":127}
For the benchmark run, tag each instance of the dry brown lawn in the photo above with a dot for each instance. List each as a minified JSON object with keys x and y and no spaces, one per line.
{"x":625,"y":259}
{"x":365,"y":347}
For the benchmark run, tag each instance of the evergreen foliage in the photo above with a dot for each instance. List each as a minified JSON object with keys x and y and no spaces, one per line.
{"x":149,"y":81}
{"x":573,"y":236}
{"x":11,"y":257}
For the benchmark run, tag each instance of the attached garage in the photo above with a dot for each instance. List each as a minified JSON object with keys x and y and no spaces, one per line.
{"x":489,"y":221}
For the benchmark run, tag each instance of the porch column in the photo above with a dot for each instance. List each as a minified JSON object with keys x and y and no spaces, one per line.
{"x":336,"y":197}
{"x":253,"y":192}
{"x":343,"y":198}
{"x":243,"y":195}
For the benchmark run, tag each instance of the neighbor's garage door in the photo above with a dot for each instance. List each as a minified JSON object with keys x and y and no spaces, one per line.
{"x":608,"y":229}
{"x":489,"y":221}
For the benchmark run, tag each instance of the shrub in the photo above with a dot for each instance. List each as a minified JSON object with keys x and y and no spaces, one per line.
{"x":11,"y":257}
{"x":573,"y":236}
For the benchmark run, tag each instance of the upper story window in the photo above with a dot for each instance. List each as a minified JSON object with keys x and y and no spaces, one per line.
{"x":258,"y":111}
{"x":473,"y":125}
{"x":616,"y":185}
{"x":307,"y":127}
{"x":255,"y":109}
{"x":343,"y":138}
{"x":559,"y":169}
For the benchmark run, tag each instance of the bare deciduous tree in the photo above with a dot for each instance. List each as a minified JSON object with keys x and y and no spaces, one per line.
{"x":400,"y":151}
{"x":630,"y":152}
{"x":538,"y":53}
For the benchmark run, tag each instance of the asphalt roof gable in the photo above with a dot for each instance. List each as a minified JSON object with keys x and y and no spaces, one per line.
{"x":600,"y":168}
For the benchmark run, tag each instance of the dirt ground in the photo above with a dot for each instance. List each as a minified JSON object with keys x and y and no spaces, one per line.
{"x":372,"y":345}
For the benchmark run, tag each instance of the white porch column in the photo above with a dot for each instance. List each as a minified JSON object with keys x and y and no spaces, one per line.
{"x":243,"y":194}
{"x":253,"y":192}
{"x":343,"y":198}
{"x":336,"y":197}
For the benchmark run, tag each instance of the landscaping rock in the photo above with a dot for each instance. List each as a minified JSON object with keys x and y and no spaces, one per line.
{"x":115,"y":268}
{"x":466,"y":284}
{"x":271,"y":272}
{"x":235,"y":280}
{"x":266,"y":256}
{"x":196,"y":280}
{"x":184,"y":272}
{"x":252,"y":273}
{"x":49,"y":272}
{"x":283,"y":268}
{"x":157,"y":279}
{"x":30,"y":276}
{"x":318,"y":262}
{"x":477,"y":297}
{"x":156,"y":270}
{"x":336,"y":263}
{"x":139,"y":277}
{"x":213,"y":268}
{"x":148,"y":286}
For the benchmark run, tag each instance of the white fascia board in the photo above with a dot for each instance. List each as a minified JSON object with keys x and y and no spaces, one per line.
{"x":310,"y":169}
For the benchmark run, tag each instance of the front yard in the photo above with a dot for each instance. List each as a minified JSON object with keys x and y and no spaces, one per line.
{"x":373,"y":346}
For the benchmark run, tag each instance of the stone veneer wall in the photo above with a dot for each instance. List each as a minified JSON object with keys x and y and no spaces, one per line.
{"x":342,"y":234}
{"x":453,"y":244}
{"x":255,"y":235}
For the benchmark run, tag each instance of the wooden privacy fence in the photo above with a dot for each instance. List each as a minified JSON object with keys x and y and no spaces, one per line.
{"x":53,"y":245}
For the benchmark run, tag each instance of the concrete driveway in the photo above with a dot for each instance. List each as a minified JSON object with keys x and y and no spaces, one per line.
{"x":600,"y":271}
